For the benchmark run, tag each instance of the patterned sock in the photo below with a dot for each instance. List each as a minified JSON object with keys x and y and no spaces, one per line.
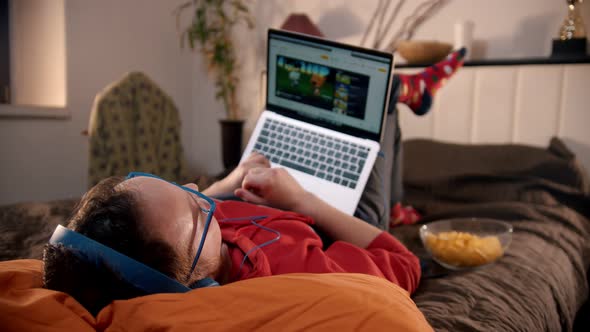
{"x":403,"y":215}
{"x":417,"y":91}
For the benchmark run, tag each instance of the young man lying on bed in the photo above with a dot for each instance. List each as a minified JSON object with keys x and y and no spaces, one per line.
{"x":196,"y":241}
{"x":184,"y":239}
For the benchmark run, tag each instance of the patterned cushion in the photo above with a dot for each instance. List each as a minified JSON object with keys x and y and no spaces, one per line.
{"x":135,"y":126}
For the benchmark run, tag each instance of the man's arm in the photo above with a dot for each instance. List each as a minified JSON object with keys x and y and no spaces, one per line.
{"x":277,"y":188}
{"x":337,"y":224}
{"x":388,"y":257}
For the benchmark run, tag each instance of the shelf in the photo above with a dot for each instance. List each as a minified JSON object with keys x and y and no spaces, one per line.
{"x":513,"y":62}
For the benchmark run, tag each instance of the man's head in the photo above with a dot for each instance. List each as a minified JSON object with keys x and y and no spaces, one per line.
{"x":178,"y":216}
{"x":148,"y":219}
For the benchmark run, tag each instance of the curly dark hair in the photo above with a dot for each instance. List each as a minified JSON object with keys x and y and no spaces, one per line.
{"x":110,"y":217}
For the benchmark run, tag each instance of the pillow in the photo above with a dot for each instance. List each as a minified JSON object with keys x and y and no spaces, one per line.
{"x":340,"y":301}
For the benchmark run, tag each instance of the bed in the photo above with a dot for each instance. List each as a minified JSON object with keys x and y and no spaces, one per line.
{"x":541,"y":282}
{"x":539,"y":285}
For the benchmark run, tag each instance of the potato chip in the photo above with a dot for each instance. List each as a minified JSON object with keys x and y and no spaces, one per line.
{"x":463,"y":249}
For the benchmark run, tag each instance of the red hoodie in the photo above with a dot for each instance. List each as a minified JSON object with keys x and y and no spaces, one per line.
{"x":299,"y":248}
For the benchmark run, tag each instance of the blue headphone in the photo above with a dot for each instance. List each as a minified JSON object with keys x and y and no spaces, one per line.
{"x":133,"y":272}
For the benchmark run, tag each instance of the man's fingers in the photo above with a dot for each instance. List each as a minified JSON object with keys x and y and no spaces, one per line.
{"x":255,"y":179}
{"x":248,"y":196}
{"x":260,"y":159}
{"x":256,"y":171}
{"x":257,"y":155}
{"x":266,"y":162}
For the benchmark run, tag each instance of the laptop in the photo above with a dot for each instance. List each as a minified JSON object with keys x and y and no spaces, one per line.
{"x":324,"y":115}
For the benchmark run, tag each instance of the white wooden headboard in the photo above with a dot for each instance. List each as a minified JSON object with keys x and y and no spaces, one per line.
{"x":526,"y":104}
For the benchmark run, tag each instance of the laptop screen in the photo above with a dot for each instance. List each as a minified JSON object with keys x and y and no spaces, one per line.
{"x":333,"y":85}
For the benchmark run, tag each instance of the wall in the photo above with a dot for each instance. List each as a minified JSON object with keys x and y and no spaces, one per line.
{"x":522,"y":104}
{"x":46,"y":159}
{"x":502,"y":29}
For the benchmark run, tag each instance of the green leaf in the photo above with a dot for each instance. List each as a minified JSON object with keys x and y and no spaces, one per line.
{"x":211,"y":28}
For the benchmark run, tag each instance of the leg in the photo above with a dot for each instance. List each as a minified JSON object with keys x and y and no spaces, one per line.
{"x":384,"y":183}
{"x":418,"y":90}
{"x":397,"y":188}
{"x":397,"y":149}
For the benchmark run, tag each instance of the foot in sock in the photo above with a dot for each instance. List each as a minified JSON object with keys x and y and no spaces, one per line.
{"x":418,"y":90}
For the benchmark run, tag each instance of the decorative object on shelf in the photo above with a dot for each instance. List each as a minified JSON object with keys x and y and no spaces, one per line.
{"x":410,"y":24}
{"x":423,"y":52}
{"x":573,"y":25}
{"x":211,"y":29}
{"x":572,"y":33}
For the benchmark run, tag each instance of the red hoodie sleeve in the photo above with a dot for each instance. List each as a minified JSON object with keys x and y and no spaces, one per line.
{"x":300,"y":249}
{"x":384,"y":257}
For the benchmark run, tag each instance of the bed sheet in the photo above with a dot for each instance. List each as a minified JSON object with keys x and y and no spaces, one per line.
{"x":541,"y":282}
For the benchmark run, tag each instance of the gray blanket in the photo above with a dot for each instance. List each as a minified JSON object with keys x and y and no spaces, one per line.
{"x":540,"y":283}
{"x":25,"y":228}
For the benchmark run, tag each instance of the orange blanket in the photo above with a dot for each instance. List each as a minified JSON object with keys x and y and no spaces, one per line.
{"x":278,"y":303}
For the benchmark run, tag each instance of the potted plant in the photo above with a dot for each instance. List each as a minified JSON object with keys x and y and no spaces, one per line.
{"x":211,"y":31}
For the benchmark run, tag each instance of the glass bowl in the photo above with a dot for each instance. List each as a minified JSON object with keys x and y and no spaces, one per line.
{"x":464,"y":243}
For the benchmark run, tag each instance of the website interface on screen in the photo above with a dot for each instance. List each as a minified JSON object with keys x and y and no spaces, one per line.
{"x":337,"y":85}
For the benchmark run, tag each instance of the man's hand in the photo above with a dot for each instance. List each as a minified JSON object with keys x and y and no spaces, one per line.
{"x":274,"y":187}
{"x":234,"y":180}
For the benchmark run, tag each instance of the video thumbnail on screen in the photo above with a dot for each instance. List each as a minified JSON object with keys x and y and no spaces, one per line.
{"x":321,"y":86}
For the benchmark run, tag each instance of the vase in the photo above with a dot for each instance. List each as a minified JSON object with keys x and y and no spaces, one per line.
{"x":231,"y":142}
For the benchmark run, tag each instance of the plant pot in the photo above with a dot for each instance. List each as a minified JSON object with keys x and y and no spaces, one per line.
{"x":231,"y":142}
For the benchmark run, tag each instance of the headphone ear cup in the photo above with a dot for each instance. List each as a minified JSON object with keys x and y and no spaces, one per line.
{"x":133,"y":272}
{"x":205,"y":282}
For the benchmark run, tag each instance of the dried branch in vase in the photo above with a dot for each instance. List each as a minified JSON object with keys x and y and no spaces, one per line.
{"x":410,"y":24}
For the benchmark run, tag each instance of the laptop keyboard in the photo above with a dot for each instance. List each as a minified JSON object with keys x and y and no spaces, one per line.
{"x":317,"y":154}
